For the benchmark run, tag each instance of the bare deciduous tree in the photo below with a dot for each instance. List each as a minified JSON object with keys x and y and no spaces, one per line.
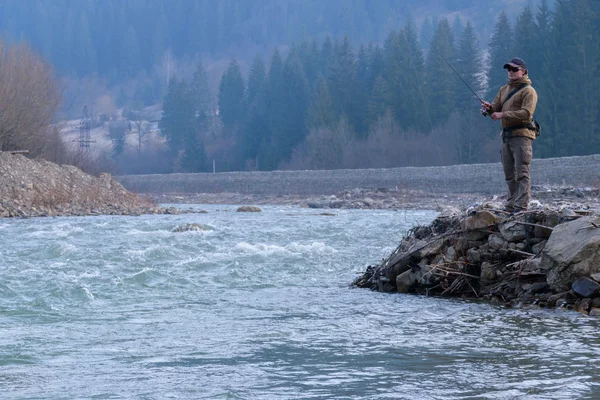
{"x":29,"y":100}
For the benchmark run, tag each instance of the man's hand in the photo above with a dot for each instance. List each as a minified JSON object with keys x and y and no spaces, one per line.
{"x":486,"y":105}
{"x":497,"y":115}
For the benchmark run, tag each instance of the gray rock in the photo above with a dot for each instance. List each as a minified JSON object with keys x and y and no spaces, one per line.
{"x":537,"y":248}
{"x":551,"y":220}
{"x":539,"y":287}
{"x":407,"y":280}
{"x":248,"y":209}
{"x":189,"y":227}
{"x":480,"y":220}
{"x":594,"y":312}
{"x":512,"y":231}
{"x":451,"y":254}
{"x":488,"y":273}
{"x":586,"y":287}
{"x":473,"y":256}
{"x":572,"y":251}
{"x":497,"y":242}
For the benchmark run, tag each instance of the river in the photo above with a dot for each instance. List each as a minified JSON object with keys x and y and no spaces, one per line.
{"x":258,"y":306}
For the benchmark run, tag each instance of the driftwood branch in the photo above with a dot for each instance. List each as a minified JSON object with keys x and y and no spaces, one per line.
{"x":523,"y":253}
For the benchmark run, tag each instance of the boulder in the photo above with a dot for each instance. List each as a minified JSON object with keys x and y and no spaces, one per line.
{"x":189,"y":227}
{"x":572,"y":251}
{"x":248,"y":209}
{"x":585,"y":287}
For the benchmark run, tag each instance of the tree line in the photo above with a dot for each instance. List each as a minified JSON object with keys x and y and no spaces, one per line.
{"x":396,"y":99}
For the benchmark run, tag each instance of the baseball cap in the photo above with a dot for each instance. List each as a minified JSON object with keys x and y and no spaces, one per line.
{"x":516,"y":62}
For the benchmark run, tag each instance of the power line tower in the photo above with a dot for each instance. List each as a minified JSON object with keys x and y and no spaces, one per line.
{"x":85,"y":126}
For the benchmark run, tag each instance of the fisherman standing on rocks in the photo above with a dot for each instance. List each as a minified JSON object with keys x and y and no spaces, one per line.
{"x":514,"y":106}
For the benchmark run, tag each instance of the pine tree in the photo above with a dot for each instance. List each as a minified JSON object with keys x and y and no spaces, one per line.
{"x":526,"y":35}
{"x":178,"y":123}
{"x":200,"y":94}
{"x":361,"y":92}
{"x":295,"y":106}
{"x":501,"y":51}
{"x":441,"y":81}
{"x":470,"y":61}
{"x":342,"y":83}
{"x":377,"y":104}
{"x":415,"y":84}
{"x":320,"y":113}
{"x":256,"y":125}
{"x":231,"y":96}
{"x":268,"y":154}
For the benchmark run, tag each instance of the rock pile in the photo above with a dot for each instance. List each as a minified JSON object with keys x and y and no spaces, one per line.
{"x":30,"y":188}
{"x":546,"y":257}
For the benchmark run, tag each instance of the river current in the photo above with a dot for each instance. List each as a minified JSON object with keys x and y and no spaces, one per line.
{"x":258,"y":306}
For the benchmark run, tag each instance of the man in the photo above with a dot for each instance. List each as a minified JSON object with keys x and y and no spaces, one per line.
{"x":514,"y":106}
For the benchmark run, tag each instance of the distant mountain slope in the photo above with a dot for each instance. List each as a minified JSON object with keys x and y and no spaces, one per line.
{"x":117,"y":38}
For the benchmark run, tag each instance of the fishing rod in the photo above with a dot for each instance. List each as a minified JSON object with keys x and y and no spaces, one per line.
{"x":450,"y":65}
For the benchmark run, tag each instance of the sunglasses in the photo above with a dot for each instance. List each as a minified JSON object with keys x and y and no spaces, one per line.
{"x":512,"y":69}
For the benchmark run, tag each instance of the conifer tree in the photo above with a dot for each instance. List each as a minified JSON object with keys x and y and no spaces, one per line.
{"x":200,"y":94}
{"x":526,"y":44}
{"x":361,"y":92}
{"x":501,"y":51}
{"x":231,"y":96}
{"x":377,"y":104}
{"x":416,"y":104}
{"x":256,"y":123}
{"x":470,"y":65}
{"x":440,"y":79}
{"x":320,"y":113}
{"x":469,"y":60}
{"x":295,"y":107}
{"x":342,"y":73}
{"x":268,"y":154}
{"x":542,"y":69}
{"x":173,"y":115}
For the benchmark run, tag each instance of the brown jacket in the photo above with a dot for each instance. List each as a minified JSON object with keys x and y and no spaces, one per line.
{"x":519,"y":109}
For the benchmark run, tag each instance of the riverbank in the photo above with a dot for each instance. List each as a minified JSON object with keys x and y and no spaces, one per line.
{"x":548,"y":256}
{"x":38,"y":188}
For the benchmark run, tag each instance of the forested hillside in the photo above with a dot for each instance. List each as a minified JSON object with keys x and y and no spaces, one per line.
{"x":270,"y":84}
{"x":117,"y":38}
{"x":330,"y":104}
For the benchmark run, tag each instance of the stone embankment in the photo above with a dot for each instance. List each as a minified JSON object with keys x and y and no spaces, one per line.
{"x":486,"y":179}
{"x":547,"y":257}
{"x":34,"y":188}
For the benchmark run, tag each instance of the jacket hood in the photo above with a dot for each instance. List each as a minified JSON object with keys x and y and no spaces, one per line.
{"x":520,"y":81}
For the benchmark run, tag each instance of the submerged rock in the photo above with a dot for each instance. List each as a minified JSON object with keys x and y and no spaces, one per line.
{"x":248,"y":209}
{"x":189,"y":227}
